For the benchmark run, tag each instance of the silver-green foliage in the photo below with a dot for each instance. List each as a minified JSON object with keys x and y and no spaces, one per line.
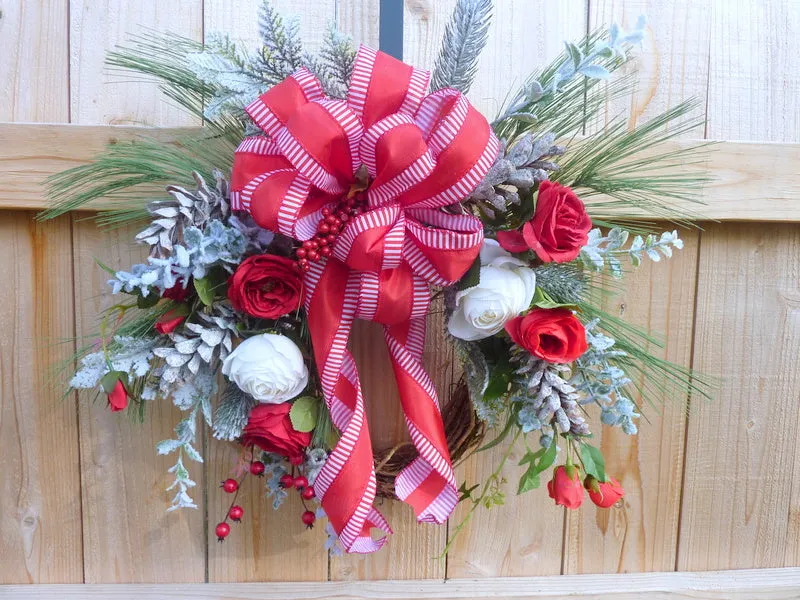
{"x":604,"y":251}
{"x":464,"y":39}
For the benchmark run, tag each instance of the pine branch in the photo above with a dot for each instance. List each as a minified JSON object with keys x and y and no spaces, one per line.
{"x":464,"y":39}
{"x":282,"y":53}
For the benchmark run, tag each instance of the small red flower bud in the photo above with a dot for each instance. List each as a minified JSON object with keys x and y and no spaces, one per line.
{"x":566,"y":490}
{"x":168,"y":323}
{"x":230,"y":486}
{"x":607,"y":494}
{"x":257,"y":468}
{"x":236,"y":513}
{"x":118,"y":398}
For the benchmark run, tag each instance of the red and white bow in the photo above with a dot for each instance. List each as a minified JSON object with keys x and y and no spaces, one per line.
{"x":422,"y":153}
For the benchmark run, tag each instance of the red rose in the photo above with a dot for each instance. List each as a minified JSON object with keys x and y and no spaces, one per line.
{"x":118,"y":398}
{"x":559,"y":227}
{"x":565,"y":490}
{"x":266,"y":286}
{"x":168,"y":323}
{"x":552,"y":334}
{"x":604,"y":493}
{"x":270,"y":428}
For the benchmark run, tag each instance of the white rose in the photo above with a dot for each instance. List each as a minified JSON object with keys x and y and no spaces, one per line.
{"x":269,"y":367}
{"x":505,"y":290}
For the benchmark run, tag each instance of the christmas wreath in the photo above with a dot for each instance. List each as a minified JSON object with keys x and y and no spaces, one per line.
{"x":350,"y":185}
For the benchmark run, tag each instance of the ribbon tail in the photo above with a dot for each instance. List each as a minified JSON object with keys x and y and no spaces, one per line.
{"x":346,"y":485}
{"x":428,"y":483}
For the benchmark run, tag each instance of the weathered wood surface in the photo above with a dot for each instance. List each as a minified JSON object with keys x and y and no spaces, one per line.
{"x":753,"y":584}
{"x":711,"y":490}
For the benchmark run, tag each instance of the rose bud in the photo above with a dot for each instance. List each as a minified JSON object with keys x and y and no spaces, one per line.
{"x":566,"y":490}
{"x":168,"y":323}
{"x":604,"y":493}
{"x":118,"y":398}
{"x":552,"y":334}
{"x":269,"y":427}
{"x":178,"y":292}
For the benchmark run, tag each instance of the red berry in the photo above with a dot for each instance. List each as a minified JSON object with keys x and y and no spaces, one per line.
{"x":313,"y":255}
{"x":332,"y":238}
{"x":324,"y":227}
{"x":323,"y":241}
{"x":308,"y":493}
{"x":344,"y":217}
{"x":308,"y":519}
{"x":307,"y":244}
{"x":330,"y":220}
{"x":303,"y":262}
{"x":257,"y":468}
{"x":300,"y":482}
{"x":296,"y":460}
{"x":326,"y":211}
{"x":326,"y":251}
{"x":287,"y":481}
{"x":306,"y":268}
{"x":236,"y":513}
{"x":314,"y":244}
{"x":301,"y":252}
{"x":222,"y":530}
{"x":230,"y":486}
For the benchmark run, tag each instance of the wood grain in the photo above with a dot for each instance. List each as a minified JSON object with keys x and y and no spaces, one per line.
{"x":761,"y":584}
{"x":739,"y":500}
{"x":40,"y":510}
{"x":128,"y":535}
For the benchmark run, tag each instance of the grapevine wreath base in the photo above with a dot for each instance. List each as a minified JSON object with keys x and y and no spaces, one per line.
{"x":350,"y":185}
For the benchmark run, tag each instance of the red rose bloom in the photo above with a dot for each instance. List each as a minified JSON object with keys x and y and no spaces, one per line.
{"x":118,"y":398}
{"x":177,"y":292}
{"x":265,"y":286}
{"x":270,"y":428}
{"x":552,"y":334}
{"x":559,"y":227}
{"x":565,"y":490}
{"x":605,"y":493}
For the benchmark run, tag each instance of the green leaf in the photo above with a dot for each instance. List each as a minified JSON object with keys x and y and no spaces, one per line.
{"x":304,"y":413}
{"x":537,"y":462}
{"x":575,"y":54}
{"x":498,"y":385}
{"x":109,"y":381}
{"x":472,"y":277}
{"x":209,"y":287}
{"x":465,"y":493}
{"x":542,"y":299}
{"x":512,"y":417}
{"x":593,"y":462}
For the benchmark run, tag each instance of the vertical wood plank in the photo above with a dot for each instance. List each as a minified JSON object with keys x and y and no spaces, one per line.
{"x":526,"y":534}
{"x":641,"y":533}
{"x":740,"y":503}
{"x":128,"y":535}
{"x":40,"y":509}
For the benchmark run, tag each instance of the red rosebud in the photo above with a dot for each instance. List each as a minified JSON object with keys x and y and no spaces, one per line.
{"x":559,"y":227}
{"x":270,"y":428}
{"x":604,"y":493}
{"x":266,"y":286}
{"x":118,"y":398}
{"x":565,"y":490}
{"x":177,"y":292}
{"x":168,"y":323}
{"x":512,"y":241}
{"x":552,"y":334}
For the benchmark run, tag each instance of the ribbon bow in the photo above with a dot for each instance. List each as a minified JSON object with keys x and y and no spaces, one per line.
{"x":421,"y":153}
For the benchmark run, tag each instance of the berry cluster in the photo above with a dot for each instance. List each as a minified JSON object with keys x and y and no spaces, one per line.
{"x":328,"y":230}
{"x":257,"y":468}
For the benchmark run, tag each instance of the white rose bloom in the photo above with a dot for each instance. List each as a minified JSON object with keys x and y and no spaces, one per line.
{"x":269,"y":367}
{"x":505,"y":290}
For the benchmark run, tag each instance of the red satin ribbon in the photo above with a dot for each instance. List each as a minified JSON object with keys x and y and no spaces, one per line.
{"x":422,"y":153}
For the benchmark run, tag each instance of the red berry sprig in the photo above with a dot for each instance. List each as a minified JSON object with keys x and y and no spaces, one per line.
{"x":308,"y":519}
{"x":328,"y":230}
{"x":230,"y":486}
{"x":257,"y":468}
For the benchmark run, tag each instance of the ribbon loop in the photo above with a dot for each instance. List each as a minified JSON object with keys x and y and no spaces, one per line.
{"x":371,"y":253}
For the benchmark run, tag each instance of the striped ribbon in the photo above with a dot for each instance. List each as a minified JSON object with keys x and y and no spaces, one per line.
{"x":422,"y":153}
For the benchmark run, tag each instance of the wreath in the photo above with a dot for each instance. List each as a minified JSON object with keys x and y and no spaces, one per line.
{"x":350,"y":185}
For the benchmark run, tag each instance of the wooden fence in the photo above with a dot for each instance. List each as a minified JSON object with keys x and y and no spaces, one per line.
{"x":709,"y":488}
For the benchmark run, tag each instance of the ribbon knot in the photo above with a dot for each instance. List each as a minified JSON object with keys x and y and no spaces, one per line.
{"x":419,"y":154}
